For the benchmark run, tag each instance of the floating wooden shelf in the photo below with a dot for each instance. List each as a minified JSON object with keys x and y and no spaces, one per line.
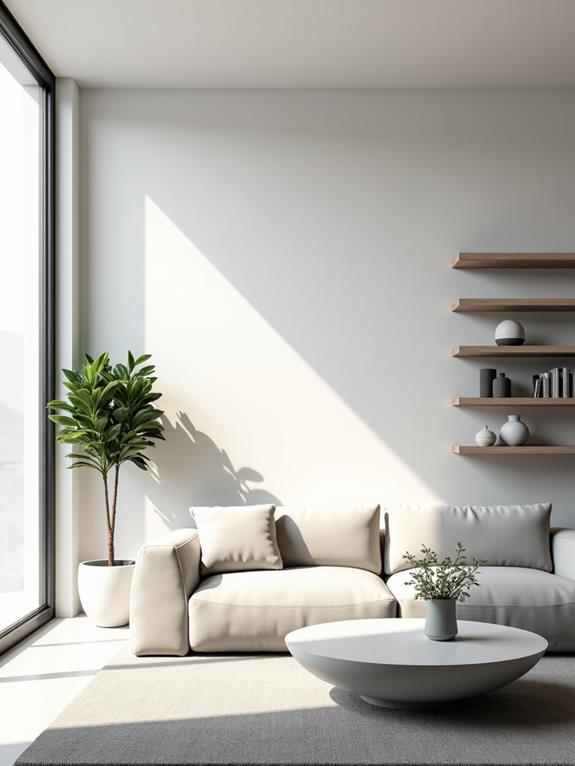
{"x":511,"y":401}
{"x":514,"y":261}
{"x":512,"y":351}
{"x":459,"y":449}
{"x":463,"y":305}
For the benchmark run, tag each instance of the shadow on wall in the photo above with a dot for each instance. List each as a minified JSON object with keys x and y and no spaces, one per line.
{"x":190,"y":469}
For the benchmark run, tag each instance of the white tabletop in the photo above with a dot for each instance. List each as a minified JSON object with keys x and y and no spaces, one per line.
{"x":399,"y":641}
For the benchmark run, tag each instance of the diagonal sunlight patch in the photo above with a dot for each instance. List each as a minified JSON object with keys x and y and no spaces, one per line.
{"x":242,"y":384}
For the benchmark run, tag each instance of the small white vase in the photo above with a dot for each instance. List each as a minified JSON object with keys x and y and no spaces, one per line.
{"x":509,"y":333}
{"x":514,"y":432}
{"x":485,"y":437}
{"x":105,"y":591}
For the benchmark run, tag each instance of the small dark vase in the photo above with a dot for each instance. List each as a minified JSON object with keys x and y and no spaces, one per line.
{"x":486,"y":378}
{"x":501,"y":386}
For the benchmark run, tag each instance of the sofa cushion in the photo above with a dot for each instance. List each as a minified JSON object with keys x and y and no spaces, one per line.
{"x":345,"y":537}
{"x":501,"y":535}
{"x":237,"y":538}
{"x":523,"y":598}
{"x":254,"y":611}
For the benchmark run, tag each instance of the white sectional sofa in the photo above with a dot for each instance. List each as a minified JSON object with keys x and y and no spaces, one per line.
{"x":261,"y":572}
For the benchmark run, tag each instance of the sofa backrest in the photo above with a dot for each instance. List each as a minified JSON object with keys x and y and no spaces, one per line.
{"x":501,"y":535}
{"x":347,"y":537}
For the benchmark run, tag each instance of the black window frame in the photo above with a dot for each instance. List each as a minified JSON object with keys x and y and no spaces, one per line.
{"x":25,"y":50}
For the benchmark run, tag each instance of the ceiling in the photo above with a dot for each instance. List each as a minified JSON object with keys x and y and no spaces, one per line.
{"x":305,"y":43}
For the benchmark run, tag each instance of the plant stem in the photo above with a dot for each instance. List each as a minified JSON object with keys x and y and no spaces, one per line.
{"x":114,"y":501}
{"x":108,"y":522}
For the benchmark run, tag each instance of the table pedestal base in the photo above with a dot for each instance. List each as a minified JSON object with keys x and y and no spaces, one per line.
{"x":397,"y":705}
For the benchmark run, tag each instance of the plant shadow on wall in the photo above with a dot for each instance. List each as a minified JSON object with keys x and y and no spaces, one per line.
{"x":190,"y":469}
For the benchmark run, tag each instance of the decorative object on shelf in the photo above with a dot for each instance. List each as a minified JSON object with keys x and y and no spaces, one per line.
{"x":566,"y":383}
{"x":501,"y":387}
{"x":554,"y":384}
{"x":486,"y":377}
{"x":509,"y":333}
{"x":441,"y":583}
{"x":537,"y":386}
{"x":108,"y":419}
{"x":514,"y":433}
{"x":485,"y":437}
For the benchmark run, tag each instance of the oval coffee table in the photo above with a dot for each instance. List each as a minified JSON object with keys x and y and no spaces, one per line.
{"x":391,"y":662}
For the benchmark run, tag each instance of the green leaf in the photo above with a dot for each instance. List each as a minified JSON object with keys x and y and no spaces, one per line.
{"x":120,"y":414}
{"x":72,"y":376}
{"x":83,"y":464}
{"x":108,"y":392}
{"x":63,"y":420}
{"x":140,"y":462}
{"x":141,"y":359}
{"x":69,"y":438}
{"x":101,"y":423}
{"x":58,"y":404}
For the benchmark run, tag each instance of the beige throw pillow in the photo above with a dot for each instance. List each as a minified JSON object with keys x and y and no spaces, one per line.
{"x":237,"y":538}
{"x":339,"y":537}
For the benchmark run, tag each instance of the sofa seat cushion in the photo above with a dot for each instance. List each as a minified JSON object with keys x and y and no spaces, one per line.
{"x":254,"y":611}
{"x":523,"y":598}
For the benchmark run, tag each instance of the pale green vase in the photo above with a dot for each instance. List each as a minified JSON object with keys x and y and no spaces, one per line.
{"x":441,"y":620}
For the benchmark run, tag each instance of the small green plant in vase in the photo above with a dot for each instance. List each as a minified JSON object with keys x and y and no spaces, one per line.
{"x":108,"y":418}
{"x":442,"y":583}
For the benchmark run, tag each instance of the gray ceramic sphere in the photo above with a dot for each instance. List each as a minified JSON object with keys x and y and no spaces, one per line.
{"x":510,"y":333}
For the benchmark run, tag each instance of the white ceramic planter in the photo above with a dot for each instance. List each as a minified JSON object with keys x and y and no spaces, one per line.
{"x":105,"y":591}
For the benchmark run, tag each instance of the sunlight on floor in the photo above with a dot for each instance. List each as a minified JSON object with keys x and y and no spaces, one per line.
{"x":245,"y":386}
{"x":45,"y":673}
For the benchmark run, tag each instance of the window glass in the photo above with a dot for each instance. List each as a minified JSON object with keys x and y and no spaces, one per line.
{"x":22,"y":549}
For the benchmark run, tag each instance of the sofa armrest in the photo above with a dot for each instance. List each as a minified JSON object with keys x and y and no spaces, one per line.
{"x":167,"y":573}
{"x":563,"y":552}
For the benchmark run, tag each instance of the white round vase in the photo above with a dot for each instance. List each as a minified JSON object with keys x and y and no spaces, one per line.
{"x":485,"y":437}
{"x":105,"y":591}
{"x":509,"y":333}
{"x":514,"y":432}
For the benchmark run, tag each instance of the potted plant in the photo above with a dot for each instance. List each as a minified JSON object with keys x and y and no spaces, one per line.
{"x":109,"y":419}
{"x":441,"y":583}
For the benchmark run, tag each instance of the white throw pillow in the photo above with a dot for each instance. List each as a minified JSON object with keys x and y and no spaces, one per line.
{"x":502,"y":535}
{"x":339,"y":537}
{"x":237,"y":538}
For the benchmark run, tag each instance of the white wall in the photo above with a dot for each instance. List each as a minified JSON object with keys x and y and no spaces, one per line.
{"x":285,"y":255}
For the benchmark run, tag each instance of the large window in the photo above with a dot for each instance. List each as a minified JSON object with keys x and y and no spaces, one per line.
{"x":26,"y":329}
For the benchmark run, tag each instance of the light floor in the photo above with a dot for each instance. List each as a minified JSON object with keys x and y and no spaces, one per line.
{"x":44,"y":673}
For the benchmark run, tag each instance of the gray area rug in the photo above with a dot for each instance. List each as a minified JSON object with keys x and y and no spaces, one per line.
{"x":264,"y":710}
